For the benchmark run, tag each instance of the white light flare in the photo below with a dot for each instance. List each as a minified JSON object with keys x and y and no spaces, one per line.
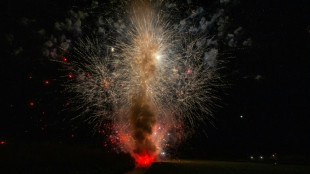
{"x":158,"y":57}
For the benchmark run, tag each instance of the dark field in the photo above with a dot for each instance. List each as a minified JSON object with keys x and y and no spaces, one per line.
{"x":225,"y":167}
{"x":86,"y":159}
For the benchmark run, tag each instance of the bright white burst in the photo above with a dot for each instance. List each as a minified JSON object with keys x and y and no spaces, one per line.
{"x":145,"y":56}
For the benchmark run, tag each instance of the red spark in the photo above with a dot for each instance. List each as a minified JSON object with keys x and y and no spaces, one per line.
{"x":46,"y":82}
{"x":144,"y":160}
{"x":70,"y":76}
{"x":72,"y":135}
{"x":188,"y":71}
{"x":101,"y":131}
{"x":65,"y":59}
{"x":88,"y":74}
{"x":2,"y":142}
{"x":30,"y":77}
{"x":31,"y":103}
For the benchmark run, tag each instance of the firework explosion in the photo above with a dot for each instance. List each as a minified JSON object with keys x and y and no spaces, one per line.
{"x":151,"y":79}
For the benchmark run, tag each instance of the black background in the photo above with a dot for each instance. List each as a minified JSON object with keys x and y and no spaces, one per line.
{"x":275,"y":108}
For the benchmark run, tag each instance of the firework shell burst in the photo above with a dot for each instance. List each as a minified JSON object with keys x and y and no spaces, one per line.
{"x":149,"y":78}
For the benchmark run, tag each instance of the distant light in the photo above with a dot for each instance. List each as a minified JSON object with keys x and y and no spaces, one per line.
{"x":241,"y":116}
{"x":261,"y":157}
{"x":112,"y":49}
{"x":252,"y":157}
{"x":188,"y":71}
{"x":163,"y":153}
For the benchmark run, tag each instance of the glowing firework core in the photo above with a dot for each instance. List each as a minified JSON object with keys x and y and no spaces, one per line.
{"x":144,"y":160}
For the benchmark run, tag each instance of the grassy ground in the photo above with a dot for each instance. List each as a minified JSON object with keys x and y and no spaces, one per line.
{"x":224,"y":167}
{"x":46,"y":158}
{"x":49,"y":158}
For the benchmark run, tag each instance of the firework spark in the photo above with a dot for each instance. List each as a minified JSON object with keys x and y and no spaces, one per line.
{"x":149,"y":78}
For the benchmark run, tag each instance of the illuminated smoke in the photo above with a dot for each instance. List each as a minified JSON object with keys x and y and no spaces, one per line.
{"x":142,"y":116}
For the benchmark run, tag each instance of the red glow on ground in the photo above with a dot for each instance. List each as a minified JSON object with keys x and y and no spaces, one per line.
{"x":144,"y":160}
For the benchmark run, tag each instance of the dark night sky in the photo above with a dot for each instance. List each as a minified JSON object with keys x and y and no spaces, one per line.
{"x":275,"y":107}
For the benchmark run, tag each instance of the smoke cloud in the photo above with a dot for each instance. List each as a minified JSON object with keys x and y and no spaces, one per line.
{"x":142,"y":116}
